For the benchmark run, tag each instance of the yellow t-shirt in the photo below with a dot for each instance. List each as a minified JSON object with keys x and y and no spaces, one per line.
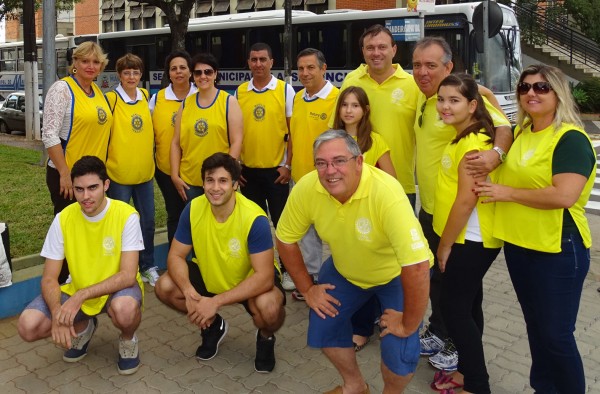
{"x":529,"y":165}
{"x":132,"y":129}
{"x":393,"y":106}
{"x":372,"y":235}
{"x":378,"y":148}
{"x":309,"y":119}
{"x":447,"y":189}
{"x":91,"y":123}
{"x":163,"y":121}
{"x":204,"y":131}
{"x":93,"y":249}
{"x":221,"y":249}
{"x":432,"y":138}
{"x":265,"y":125}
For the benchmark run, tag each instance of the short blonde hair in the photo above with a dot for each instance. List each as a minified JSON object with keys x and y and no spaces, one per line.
{"x":566,"y":109}
{"x":88,"y":49}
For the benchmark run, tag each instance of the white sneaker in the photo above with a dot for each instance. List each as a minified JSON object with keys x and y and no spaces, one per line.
{"x":287,"y":283}
{"x":150,"y":276}
{"x":129,"y":356}
{"x":446,"y":359}
{"x":430,"y":343}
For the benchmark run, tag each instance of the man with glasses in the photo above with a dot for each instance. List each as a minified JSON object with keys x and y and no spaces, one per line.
{"x":393,"y":97}
{"x":432,"y":62}
{"x":377,"y":248}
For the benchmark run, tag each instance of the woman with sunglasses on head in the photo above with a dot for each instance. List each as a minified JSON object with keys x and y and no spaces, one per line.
{"x":466,"y":247}
{"x":131,"y":176}
{"x":352,"y":115}
{"x":164,"y":106}
{"x":540,"y":196}
{"x":208,"y":122}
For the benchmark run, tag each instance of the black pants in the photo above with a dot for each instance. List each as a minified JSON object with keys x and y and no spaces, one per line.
{"x":58,"y":203}
{"x":436,"y":320}
{"x":261,"y":188}
{"x":461,"y":298}
{"x":174,"y":204}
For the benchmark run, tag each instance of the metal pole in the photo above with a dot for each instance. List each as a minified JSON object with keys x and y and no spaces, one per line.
{"x":48,"y":52}
{"x":32,"y":115}
{"x":486,"y":44}
{"x":287,"y":42}
{"x":421,"y":24}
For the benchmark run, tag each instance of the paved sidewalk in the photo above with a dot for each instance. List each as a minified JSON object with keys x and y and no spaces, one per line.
{"x":168,"y":344}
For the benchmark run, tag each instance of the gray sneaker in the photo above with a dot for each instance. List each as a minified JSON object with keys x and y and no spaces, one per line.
{"x":80,"y":343}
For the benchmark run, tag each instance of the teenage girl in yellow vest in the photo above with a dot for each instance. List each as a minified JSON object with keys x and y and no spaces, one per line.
{"x":164,"y":106}
{"x":466,"y":248}
{"x":541,"y":193}
{"x":208,"y":122}
{"x":132,"y":176}
{"x":352,"y":114}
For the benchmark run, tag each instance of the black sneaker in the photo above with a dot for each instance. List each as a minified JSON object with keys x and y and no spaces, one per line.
{"x":265,"y":353}
{"x":212,"y":338}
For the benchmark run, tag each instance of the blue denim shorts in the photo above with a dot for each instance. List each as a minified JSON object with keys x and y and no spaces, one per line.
{"x":400,"y":355}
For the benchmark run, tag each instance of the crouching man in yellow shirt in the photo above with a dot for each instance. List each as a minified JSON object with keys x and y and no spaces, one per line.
{"x":101,"y":239}
{"x":377,"y":248}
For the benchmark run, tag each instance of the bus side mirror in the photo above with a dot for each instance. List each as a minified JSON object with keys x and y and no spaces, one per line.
{"x":495,"y":19}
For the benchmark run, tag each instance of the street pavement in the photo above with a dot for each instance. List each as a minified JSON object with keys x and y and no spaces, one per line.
{"x":168,"y":344}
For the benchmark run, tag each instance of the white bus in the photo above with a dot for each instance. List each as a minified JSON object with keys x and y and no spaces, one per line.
{"x":336,"y":34}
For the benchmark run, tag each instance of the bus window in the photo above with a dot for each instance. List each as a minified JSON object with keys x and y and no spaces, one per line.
{"x":331,"y":39}
{"x":197,"y":42}
{"x":229,"y":47}
{"x":272,"y":35}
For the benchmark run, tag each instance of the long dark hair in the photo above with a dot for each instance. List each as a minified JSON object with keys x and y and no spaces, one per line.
{"x":467,"y":87}
{"x":364,"y":128}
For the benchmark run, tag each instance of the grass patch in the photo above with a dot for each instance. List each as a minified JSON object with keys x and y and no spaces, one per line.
{"x":25,"y":201}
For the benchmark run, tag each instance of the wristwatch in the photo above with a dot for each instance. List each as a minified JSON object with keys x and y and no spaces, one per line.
{"x":501,"y":153}
{"x":289,"y":167}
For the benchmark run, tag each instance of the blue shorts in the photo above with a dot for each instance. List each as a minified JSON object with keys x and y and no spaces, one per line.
{"x":400,"y":355}
{"x":39,"y":303}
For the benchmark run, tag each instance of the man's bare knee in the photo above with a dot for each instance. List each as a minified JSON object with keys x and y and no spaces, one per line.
{"x":165,"y":288}
{"x":125,"y":311}
{"x":33,"y":325}
{"x":270,"y":307}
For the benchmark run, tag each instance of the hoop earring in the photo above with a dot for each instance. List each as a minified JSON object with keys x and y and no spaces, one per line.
{"x":74,"y":71}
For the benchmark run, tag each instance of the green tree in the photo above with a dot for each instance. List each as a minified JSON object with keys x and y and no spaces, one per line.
{"x":178,"y":16}
{"x":585,"y":14}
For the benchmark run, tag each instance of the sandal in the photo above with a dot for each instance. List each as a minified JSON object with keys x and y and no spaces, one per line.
{"x":441,"y":378}
{"x":358,"y":348}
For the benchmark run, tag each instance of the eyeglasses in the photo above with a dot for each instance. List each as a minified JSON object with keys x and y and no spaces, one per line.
{"x":131,"y":73}
{"x":421,"y":116}
{"x":538,"y":87}
{"x":208,"y":72}
{"x":335,"y":163}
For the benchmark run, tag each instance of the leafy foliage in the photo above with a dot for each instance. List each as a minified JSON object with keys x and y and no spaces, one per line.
{"x":586,"y":14}
{"x":587,"y":95}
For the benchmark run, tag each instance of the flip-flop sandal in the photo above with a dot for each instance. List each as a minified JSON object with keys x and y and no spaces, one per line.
{"x":440,"y":378}
{"x":358,"y":348}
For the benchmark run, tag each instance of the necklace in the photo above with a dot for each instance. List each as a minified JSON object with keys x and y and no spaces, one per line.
{"x":86,"y":92}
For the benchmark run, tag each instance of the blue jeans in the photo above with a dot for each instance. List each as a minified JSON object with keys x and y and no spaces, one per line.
{"x":548,"y":286}
{"x":143,"y":201}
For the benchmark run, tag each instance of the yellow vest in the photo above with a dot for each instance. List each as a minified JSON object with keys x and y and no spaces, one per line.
{"x":529,"y":165}
{"x":447,"y":190}
{"x":203,"y":132}
{"x":90,"y":124}
{"x":221,"y":249}
{"x":93,"y":249}
{"x":309,"y":119}
{"x":163,"y":121}
{"x":131,"y":131}
{"x":265,"y":125}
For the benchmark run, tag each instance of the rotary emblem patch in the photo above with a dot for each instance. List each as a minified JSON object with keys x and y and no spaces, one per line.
{"x":363,"y":228}
{"x":201,"y":128}
{"x":102,"y":116}
{"x":235,"y":247}
{"x":108,"y":244}
{"x":137,"y":123}
{"x":259,"y":112}
{"x":397,"y":96}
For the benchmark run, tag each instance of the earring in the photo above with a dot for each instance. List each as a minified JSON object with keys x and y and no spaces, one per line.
{"x":74,"y":71}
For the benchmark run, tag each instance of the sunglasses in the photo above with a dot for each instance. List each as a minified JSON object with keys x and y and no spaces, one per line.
{"x":421,"y":116}
{"x":538,"y":87}
{"x":209,"y":72}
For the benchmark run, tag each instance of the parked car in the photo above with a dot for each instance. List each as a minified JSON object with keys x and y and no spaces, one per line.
{"x":12,"y":112}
